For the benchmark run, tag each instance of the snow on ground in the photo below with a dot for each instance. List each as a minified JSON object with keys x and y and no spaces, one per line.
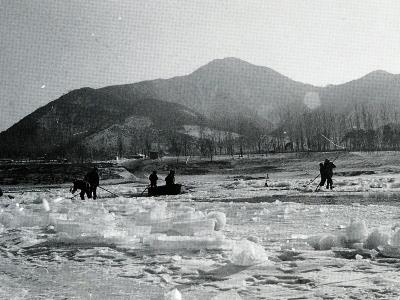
{"x":129,"y":247}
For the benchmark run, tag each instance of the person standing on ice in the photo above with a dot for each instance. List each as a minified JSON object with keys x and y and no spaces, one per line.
{"x":322,"y":171}
{"x":170,"y":179}
{"x":82,"y":185}
{"x":92,"y":178}
{"x":153,"y":179}
{"x":329,"y":166}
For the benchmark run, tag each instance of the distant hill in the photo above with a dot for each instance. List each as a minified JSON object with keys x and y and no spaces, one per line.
{"x":82,"y":115}
{"x":375,"y":88}
{"x":224,"y":87}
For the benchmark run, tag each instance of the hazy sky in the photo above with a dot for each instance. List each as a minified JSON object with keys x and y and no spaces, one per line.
{"x":50,"y":47}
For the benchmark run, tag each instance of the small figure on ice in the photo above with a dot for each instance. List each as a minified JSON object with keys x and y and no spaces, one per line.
{"x":92,"y":178}
{"x":82,"y":185}
{"x":329,"y":166}
{"x":322,"y":171}
{"x":326,"y":171}
{"x":153,"y":179}
{"x":170,"y":179}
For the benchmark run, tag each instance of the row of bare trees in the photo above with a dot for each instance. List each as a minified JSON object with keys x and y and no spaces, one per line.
{"x":359,"y":127}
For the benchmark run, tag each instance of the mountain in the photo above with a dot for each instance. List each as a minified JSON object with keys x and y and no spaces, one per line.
{"x":224,"y":87}
{"x":227,"y":87}
{"x":226,"y":94}
{"x":83,"y":114}
{"x":375,"y":88}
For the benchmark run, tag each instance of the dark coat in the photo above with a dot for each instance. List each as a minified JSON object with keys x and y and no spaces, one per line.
{"x":322,"y":171}
{"x":170,"y":179}
{"x":82,"y":185}
{"x":93,"y":178}
{"x":153,"y":177}
{"x":329,"y":168}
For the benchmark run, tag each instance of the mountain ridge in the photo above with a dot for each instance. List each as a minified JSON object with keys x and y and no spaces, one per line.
{"x":228,"y":94}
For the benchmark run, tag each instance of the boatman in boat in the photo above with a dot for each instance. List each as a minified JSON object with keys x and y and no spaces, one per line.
{"x":170,"y":179}
{"x":153,"y":179}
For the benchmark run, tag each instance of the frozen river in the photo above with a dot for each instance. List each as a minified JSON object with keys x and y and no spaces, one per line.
{"x":141,"y":248}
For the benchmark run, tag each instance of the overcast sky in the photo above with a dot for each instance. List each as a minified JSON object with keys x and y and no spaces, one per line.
{"x":48,"y":48}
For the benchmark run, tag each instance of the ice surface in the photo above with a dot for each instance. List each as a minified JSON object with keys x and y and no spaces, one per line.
{"x":126,"y":224}
{"x":189,"y":228}
{"x":7,"y":219}
{"x":281,"y":184}
{"x":164,"y":242}
{"x":230,"y":295}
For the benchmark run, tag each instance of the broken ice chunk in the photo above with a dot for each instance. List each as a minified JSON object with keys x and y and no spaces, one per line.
{"x":390,"y":251}
{"x":356,"y":231}
{"x":77,"y":229}
{"x":395,"y":240}
{"x":219,"y":217}
{"x":46,"y":205}
{"x":173,"y":295}
{"x":328,"y":242}
{"x":375,"y":239}
{"x":246,"y":253}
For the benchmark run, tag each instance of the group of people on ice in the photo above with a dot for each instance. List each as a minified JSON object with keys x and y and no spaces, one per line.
{"x":326,"y":171}
{"x":88,"y":185}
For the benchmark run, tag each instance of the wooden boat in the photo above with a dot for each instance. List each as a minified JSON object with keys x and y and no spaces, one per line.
{"x":173,"y":189}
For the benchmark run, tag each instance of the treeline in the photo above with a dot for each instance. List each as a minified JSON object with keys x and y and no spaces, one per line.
{"x":357,"y":128}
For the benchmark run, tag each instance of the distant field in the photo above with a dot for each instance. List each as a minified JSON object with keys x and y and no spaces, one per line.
{"x":51,"y":173}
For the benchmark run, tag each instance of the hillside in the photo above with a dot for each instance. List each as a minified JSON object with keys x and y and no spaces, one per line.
{"x":81,"y":115}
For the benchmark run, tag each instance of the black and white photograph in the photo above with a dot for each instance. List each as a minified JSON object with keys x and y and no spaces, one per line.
{"x":199,"y":149}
